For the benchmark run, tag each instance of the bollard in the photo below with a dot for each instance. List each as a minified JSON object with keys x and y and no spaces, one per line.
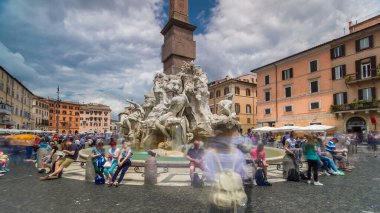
{"x":150,"y":171}
{"x":287,"y":164}
{"x":90,"y":170}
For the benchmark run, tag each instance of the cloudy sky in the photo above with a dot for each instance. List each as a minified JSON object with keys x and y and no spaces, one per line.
{"x":103,"y":51}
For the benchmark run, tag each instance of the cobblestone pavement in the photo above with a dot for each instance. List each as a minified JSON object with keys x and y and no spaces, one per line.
{"x":22,"y":191}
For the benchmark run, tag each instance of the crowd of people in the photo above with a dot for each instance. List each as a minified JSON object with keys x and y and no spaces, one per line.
{"x":224,"y":163}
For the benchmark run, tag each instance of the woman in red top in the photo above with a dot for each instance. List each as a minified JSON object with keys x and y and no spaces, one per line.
{"x":259,"y":159}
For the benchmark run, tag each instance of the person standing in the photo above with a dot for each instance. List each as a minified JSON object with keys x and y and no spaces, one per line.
{"x":124,"y":162}
{"x":195,"y":155}
{"x":311,"y":155}
{"x":113,"y":156}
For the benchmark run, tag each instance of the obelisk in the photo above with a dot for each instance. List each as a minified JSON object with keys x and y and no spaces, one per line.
{"x":179,"y":44}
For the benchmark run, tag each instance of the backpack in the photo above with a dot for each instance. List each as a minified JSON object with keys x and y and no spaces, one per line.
{"x":227,"y":190}
{"x":283,"y":140}
{"x":197,"y":182}
{"x":293,"y":175}
{"x":260,"y":178}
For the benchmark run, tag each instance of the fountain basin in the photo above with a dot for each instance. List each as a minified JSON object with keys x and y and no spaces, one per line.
{"x":274,"y":156}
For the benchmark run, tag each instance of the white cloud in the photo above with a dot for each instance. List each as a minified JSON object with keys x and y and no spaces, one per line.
{"x":98,"y":52}
{"x":244,"y":34}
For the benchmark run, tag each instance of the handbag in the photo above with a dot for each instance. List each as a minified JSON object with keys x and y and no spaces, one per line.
{"x":108,"y":164}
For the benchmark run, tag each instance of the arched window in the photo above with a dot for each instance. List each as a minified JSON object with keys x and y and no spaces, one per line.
{"x":211,"y":95}
{"x":237,"y":90}
{"x":218,"y":93}
{"x":248,"y":108}
{"x":226,"y":90}
{"x":237,"y":108}
{"x":248,"y":92}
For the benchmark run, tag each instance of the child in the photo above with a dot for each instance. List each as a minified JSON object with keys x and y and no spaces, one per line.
{"x":311,"y":155}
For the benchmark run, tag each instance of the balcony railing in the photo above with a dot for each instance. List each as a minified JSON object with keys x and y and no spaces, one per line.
{"x":359,"y":105}
{"x":5,"y":109}
{"x":355,"y":78}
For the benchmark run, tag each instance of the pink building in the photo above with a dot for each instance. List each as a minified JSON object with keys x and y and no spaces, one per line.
{"x":95,"y":118}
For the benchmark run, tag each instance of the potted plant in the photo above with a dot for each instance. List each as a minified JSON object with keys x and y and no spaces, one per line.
{"x":348,"y":78}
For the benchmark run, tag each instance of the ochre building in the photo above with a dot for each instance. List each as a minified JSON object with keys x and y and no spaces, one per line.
{"x":336,"y":83}
{"x":243,"y":90}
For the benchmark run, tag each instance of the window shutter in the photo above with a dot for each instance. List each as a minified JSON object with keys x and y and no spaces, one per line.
{"x":370,"y":38}
{"x":343,"y":50}
{"x":357,"y":42}
{"x":373,"y":66}
{"x":360,"y":94}
{"x":291,"y":72}
{"x":283,"y":75}
{"x":345,"y":98}
{"x":373,"y":91}
{"x":332,"y":53}
{"x":357,"y":66}
{"x":335,"y":102}
{"x":333,"y":73}
{"x":343,"y":70}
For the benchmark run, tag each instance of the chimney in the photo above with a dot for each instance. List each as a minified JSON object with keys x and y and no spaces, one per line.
{"x":350,"y":27}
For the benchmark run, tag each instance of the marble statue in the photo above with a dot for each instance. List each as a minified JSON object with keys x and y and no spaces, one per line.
{"x":177,"y":110}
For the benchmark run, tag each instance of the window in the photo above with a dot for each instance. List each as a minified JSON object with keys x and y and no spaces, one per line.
{"x":266,"y":80}
{"x":237,"y":91}
{"x":338,"y":72}
{"x":365,"y":70}
{"x":364,"y":43}
{"x":267,"y":95}
{"x":367,"y":94}
{"x":288,"y":108}
{"x":211,"y":95}
{"x":237,"y":108}
{"x":289,"y":125}
{"x":287,"y":74}
{"x":267,"y":111}
{"x":218,"y":93}
{"x":337,"y":52}
{"x":248,"y":92}
{"x":226,"y":90}
{"x":64,"y":106}
{"x":313,"y":65}
{"x":314,"y":86}
{"x":340,"y":98}
{"x":288,"y":91}
{"x":248,"y":108}
{"x":315,"y":123}
{"x":248,"y":120}
{"x":314,"y":105}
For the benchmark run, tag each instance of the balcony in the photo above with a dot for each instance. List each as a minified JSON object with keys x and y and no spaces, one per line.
{"x":359,"y":105}
{"x":5,"y":109}
{"x":354,"y":78}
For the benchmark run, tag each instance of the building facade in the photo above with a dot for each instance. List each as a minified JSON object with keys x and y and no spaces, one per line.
{"x":334,"y":83}
{"x":243,"y":90}
{"x":40,"y":113}
{"x":63,"y":116}
{"x":15,"y":102}
{"x":95,"y":118}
